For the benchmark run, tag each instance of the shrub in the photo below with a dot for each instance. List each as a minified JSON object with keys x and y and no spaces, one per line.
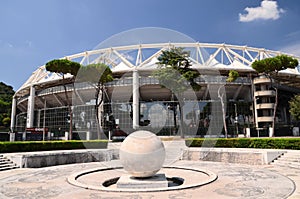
{"x":27,"y":146}
{"x":264,"y":143}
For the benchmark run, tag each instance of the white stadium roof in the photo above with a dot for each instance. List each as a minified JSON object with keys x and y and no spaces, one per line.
{"x":143,"y":57}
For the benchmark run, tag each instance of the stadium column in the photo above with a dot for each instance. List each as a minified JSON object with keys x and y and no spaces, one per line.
{"x":135,"y":99}
{"x":13,"y":114}
{"x":30,"y":108}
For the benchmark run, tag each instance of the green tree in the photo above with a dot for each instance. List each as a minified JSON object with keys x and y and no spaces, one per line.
{"x":63,"y":67}
{"x":6,"y":92}
{"x":232,"y":76}
{"x":4,"y":106}
{"x":295,"y":107}
{"x":97,"y":75}
{"x":175,"y":73}
{"x":6,"y":95}
{"x":270,"y":67}
{"x":6,"y":121}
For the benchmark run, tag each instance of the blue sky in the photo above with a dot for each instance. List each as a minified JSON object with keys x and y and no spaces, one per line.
{"x":34,"y":32}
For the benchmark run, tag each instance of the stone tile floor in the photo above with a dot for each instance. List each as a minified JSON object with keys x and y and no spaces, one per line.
{"x":234,"y":181}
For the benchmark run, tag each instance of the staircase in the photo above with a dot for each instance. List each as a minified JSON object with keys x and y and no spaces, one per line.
{"x":6,"y":164}
{"x":289,"y":159}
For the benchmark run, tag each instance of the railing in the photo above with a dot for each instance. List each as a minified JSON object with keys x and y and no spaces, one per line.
{"x":265,"y":119}
{"x":265,"y":106}
{"x":265,"y":93}
{"x":261,"y":80}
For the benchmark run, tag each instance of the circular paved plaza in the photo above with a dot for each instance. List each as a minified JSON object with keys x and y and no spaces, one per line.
{"x":234,"y":181}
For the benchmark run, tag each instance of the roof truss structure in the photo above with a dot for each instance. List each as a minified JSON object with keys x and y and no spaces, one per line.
{"x":144,"y":57}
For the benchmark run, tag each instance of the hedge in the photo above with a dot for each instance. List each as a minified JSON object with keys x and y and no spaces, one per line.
{"x":27,"y":146}
{"x":263,"y":143}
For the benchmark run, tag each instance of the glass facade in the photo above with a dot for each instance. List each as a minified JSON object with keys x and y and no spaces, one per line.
{"x":200,"y":117}
{"x":57,"y":121}
{"x":167,"y":117}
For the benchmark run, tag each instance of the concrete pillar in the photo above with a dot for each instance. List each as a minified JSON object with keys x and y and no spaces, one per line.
{"x":295,"y":131}
{"x":30,"y":108}
{"x":12,"y":137}
{"x":271,"y":132}
{"x":24,"y":136}
{"x":88,"y":135}
{"x":109,"y":135}
{"x":66,"y":135}
{"x":135,"y":99}
{"x":13,"y":114}
{"x":255,"y":111}
{"x":248,"y":132}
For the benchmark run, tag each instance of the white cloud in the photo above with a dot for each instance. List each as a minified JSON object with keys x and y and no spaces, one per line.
{"x":266,"y":10}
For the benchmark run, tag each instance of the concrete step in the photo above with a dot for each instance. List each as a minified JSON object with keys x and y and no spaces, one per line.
{"x":293,"y":153}
{"x":8,"y":168}
{"x":289,"y":159}
{"x":6,"y":164}
{"x":284,"y":164}
{"x":290,"y":156}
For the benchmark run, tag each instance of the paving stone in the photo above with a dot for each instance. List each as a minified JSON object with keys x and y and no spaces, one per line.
{"x":234,"y":181}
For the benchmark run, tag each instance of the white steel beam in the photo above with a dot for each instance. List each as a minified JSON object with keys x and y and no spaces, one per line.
{"x":13,"y":114}
{"x":247,"y":55}
{"x":123,"y":59}
{"x":213,"y":56}
{"x":227,"y":55}
{"x":30,"y":108}
{"x":135,"y":99}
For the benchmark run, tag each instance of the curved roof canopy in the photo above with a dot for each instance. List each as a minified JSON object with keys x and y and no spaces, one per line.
{"x":143,"y":57}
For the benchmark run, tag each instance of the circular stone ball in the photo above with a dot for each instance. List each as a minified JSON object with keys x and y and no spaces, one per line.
{"x":142,"y":154}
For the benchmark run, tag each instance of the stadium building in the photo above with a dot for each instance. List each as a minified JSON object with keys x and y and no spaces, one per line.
{"x":136,"y":100}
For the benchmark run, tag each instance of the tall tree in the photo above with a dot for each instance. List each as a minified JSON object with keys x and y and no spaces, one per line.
{"x":175,"y":73}
{"x":97,"y":75}
{"x":63,"y":67}
{"x":270,"y":67}
{"x":6,"y":95}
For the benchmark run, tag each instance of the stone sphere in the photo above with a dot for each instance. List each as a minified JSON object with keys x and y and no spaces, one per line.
{"x":142,"y":154}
